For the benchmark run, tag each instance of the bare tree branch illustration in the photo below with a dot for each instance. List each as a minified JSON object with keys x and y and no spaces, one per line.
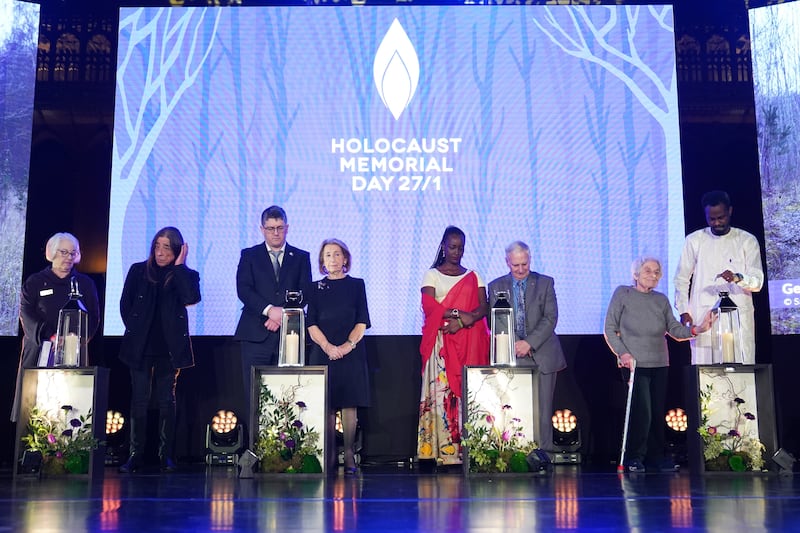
{"x":175,"y":55}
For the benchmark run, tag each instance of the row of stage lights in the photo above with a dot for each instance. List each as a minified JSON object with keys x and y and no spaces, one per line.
{"x":224,"y":435}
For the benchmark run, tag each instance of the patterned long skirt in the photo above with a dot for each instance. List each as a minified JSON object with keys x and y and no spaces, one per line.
{"x":439,"y":414}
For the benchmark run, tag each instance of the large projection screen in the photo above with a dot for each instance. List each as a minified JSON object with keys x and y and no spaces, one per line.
{"x":19,"y":33}
{"x":380,"y":126}
{"x":775,"y":34}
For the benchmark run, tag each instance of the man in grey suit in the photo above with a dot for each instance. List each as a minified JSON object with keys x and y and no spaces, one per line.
{"x":536,"y":311}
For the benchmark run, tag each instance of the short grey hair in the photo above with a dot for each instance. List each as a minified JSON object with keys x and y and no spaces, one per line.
{"x":51,"y":248}
{"x":518,"y":246}
{"x":636,"y":266}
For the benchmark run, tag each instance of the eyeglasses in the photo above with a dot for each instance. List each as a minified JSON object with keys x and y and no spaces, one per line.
{"x":274,"y":229}
{"x":66,"y":253}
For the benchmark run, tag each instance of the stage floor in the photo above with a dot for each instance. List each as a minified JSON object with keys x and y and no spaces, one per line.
{"x":400,"y":499}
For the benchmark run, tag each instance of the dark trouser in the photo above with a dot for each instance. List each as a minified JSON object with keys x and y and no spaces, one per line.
{"x":160,"y":371}
{"x":646,"y":426}
{"x":547,"y":388}
{"x":256,"y":354}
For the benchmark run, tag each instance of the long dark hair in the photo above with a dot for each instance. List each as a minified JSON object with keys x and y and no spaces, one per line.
{"x":175,"y":244}
{"x":449,"y":231}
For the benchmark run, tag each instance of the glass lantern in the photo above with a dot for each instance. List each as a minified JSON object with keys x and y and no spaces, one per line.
{"x":501,"y":324}
{"x":292,"y":351}
{"x":72,"y":332}
{"x":726,"y":332}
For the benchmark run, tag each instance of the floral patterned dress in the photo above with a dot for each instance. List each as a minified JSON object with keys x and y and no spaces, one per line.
{"x":443,"y":358}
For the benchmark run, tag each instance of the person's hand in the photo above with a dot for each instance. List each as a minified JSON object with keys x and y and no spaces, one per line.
{"x":450,"y":326}
{"x":522,"y":348}
{"x":686,"y":319}
{"x":626,"y":360}
{"x":729,"y":276}
{"x":708,"y":320}
{"x":275,"y":314}
{"x":333,"y":352}
{"x":272,"y":325}
{"x":182,"y":256}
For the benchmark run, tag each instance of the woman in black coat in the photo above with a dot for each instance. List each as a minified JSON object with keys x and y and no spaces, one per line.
{"x":156,"y":343}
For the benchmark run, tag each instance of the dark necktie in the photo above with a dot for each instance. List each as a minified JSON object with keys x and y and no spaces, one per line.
{"x":276,"y":264}
{"x":519,"y":309}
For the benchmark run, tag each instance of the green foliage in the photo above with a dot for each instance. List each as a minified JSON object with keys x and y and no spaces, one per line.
{"x":61,"y":437}
{"x":285,"y":443}
{"x":493,"y":445}
{"x":729,"y":448}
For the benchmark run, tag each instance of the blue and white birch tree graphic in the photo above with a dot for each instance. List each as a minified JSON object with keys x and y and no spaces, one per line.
{"x":361,"y":44}
{"x":277,"y":22}
{"x":597,"y":114}
{"x":592,"y":39}
{"x":524,"y":63}
{"x":420,"y":125}
{"x":173,"y":41}
{"x":485,"y":131}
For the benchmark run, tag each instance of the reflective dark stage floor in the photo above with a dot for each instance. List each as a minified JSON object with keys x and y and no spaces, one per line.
{"x":397,"y":499}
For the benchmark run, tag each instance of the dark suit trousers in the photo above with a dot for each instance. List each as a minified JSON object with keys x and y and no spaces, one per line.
{"x":547,"y":388}
{"x":257,"y":354}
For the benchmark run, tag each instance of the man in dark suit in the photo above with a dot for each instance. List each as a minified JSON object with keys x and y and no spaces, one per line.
{"x":536,"y":312}
{"x":266,"y":271}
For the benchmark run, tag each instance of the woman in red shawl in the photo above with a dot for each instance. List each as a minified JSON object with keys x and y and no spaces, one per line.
{"x":454,"y":335}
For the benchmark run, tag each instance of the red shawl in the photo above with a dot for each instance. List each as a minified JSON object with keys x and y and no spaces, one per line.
{"x":468,"y":346}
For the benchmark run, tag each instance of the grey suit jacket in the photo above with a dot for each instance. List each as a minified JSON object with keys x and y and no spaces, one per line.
{"x":541,"y":317}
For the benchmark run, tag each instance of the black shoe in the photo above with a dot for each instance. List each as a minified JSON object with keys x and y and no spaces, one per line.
{"x":133,"y":464}
{"x":634,"y":466}
{"x":168,"y":464}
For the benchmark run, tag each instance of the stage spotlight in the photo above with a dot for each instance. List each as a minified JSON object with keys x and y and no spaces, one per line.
{"x":566,"y":437}
{"x":675,"y":436}
{"x":115,"y":438}
{"x":784,"y":461}
{"x":676,"y":420}
{"x":223,"y":439}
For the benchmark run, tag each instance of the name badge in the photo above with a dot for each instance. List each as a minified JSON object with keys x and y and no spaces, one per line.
{"x":46,"y":292}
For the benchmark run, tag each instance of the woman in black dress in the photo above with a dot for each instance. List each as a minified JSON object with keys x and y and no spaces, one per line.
{"x":337,"y":319}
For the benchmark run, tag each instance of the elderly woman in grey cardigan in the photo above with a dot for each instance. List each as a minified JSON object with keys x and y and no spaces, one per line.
{"x":637,"y":320}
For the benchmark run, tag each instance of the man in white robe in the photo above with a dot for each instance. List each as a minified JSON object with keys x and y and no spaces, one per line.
{"x":715,"y":259}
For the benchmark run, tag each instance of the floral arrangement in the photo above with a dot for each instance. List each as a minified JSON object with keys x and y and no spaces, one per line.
{"x":728,"y":446}
{"x":65,"y":441}
{"x":285,"y":443}
{"x":495,"y":445}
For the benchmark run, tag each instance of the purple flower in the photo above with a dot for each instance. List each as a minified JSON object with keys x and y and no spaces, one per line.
{"x":51,"y":438}
{"x":75,"y":423}
{"x":750,"y":416}
{"x":59,"y":454}
{"x":282,"y":436}
{"x":506,"y":436}
{"x":489,"y":419}
{"x":289,"y":444}
{"x":516,"y":420}
{"x":733,"y":433}
{"x":506,"y":406}
{"x":297,"y":424}
{"x":738,"y":401}
{"x":301,"y":404}
{"x":67,"y":433}
{"x":712,"y":430}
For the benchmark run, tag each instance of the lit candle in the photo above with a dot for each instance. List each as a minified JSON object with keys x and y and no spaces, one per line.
{"x":292,"y":348}
{"x":727,"y":347}
{"x":501,"y":349}
{"x":70,"y":350}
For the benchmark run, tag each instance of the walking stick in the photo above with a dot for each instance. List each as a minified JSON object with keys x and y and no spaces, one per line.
{"x":621,"y":467}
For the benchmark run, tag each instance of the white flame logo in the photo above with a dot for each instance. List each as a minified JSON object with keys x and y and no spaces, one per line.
{"x":396,"y":70}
